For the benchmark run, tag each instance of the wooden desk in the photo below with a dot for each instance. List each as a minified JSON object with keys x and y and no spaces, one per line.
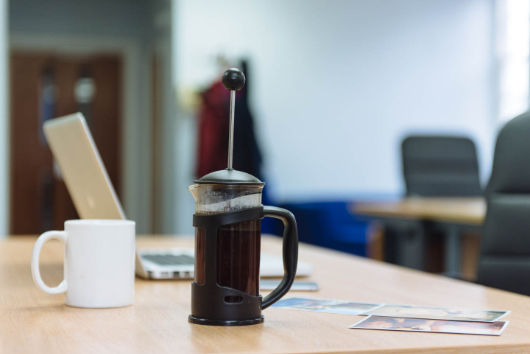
{"x":452,"y":213}
{"x":467,"y":211}
{"x":34,"y":322}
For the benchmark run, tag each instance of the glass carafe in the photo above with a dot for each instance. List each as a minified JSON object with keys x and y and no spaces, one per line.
{"x":238,"y":244}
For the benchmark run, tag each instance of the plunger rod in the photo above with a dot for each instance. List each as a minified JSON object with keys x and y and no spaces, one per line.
{"x":231,"y":129}
{"x":233,"y":80}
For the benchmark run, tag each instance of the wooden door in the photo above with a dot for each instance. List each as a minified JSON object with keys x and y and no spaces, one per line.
{"x":44,"y":86}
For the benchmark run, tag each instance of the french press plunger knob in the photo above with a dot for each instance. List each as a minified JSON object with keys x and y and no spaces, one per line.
{"x":233,"y":79}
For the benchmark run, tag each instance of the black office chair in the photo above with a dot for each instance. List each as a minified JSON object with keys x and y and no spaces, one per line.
{"x":505,"y":247}
{"x":440,"y":166}
{"x":433,"y":166}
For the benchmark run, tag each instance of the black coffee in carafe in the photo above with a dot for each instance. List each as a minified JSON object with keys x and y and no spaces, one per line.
{"x":238,"y":251}
{"x":238,"y":256}
{"x":238,"y":244}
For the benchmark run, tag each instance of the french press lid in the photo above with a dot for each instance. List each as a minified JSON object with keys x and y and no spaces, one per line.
{"x":228,"y":176}
{"x":233,"y":80}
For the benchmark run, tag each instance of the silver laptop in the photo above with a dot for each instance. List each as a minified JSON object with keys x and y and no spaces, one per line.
{"x":94,"y":197}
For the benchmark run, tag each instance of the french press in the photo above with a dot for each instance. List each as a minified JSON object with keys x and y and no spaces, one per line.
{"x":227,"y":220}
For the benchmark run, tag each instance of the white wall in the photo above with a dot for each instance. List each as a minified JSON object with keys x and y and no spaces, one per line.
{"x":164,"y":220}
{"x":4,"y":123}
{"x":337,"y":84}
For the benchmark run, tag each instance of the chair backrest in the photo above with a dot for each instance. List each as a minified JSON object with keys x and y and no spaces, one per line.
{"x":505,"y":246}
{"x":440,"y":166}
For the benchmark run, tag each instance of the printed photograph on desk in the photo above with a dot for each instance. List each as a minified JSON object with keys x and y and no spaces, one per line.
{"x":329,"y":306}
{"x":434,"y":326}
{"x":438,"y":313}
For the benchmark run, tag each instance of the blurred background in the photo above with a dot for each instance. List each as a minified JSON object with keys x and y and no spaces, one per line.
{"x":333,"y":89}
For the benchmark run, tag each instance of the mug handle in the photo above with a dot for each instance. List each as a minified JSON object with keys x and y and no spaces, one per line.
{"x":35,"y":272}
{"x":290,"y":252}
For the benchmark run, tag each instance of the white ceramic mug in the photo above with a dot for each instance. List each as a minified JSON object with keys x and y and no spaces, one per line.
{"x":98,"y":262}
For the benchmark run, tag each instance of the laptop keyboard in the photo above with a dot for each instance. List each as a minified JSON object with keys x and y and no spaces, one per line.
{"x":169,"y":259}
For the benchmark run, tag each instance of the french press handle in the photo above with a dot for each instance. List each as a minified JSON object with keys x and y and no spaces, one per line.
{"x":290,"y":252}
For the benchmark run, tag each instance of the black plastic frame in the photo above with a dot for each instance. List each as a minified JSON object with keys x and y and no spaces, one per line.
{"x":208,"y":305}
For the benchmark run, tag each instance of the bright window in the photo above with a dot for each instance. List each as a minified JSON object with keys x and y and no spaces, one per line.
{"x":512,"y":46}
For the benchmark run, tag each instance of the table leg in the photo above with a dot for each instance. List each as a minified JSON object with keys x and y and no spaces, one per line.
{"x":452,"y":251}
{"x":411,"y":245}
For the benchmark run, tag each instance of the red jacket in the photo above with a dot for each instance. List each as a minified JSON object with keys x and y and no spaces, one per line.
{"x":212,"y":141}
